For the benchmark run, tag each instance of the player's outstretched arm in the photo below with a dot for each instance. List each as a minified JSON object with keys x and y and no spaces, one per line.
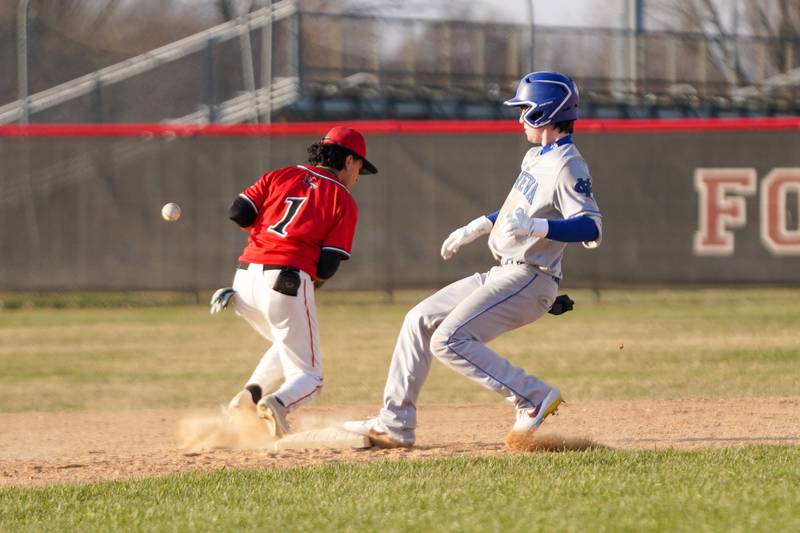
{"x":579,"y":229}
{"x":465,"y":235}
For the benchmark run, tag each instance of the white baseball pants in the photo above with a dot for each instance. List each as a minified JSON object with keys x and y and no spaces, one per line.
{"x":290,"y":322}
{"x":454,"y":325}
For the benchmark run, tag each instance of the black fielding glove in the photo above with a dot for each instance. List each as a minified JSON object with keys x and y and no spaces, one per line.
{"x":561,"y":305}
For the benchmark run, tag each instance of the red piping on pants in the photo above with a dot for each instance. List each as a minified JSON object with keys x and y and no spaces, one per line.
{"x":313,"y":392}
{"x":310,"y":331}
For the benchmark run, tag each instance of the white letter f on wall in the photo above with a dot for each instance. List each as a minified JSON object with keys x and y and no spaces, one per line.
{"x":719,"y":210}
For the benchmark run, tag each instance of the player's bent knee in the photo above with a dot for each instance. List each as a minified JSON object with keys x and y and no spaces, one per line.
{"x":415,"y":319}
{"x":441,"y":343}
{"x":316,"y":380}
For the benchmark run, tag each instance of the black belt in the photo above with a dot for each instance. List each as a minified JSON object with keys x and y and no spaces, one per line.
{"x":244,"y":266}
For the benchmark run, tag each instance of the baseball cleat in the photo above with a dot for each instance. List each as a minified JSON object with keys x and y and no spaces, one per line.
{"x":378,"y":434}
{"x":274,"y":414}
{"x":532,"y":417}
{"x":242,"y":402}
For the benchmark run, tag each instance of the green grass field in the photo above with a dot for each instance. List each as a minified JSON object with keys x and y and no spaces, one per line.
{"x":751,"y":489}
{"x":62,"y":353}
{"x":641,"y":344}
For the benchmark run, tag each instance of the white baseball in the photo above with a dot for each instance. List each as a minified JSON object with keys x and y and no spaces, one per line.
{"x":171,"y":212}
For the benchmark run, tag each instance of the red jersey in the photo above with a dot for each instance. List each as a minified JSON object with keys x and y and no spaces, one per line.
{"x":302,"y":210}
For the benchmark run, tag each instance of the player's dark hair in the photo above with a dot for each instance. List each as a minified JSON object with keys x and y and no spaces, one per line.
{"x":328,"y":155}
{"x":567,"y":126}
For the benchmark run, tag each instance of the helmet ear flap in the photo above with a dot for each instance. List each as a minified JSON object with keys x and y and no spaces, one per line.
{"x":533,"y":116}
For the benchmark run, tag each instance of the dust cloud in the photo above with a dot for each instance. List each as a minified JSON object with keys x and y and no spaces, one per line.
{"x":232,"y":429}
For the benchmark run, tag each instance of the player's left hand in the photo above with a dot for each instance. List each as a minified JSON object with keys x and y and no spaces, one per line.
{"x":221,"y":299}
{"x":561,"y":305}
{"x":518,"y":223}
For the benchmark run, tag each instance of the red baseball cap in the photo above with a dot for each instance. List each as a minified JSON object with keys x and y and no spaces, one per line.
{"x":351,"y":140}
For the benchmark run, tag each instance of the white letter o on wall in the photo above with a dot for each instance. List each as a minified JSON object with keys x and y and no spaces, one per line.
{"x":776,"y":233}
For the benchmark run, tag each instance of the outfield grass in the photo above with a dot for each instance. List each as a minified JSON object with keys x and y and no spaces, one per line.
{"x":66,"y":354}
{"x":750,"y":489}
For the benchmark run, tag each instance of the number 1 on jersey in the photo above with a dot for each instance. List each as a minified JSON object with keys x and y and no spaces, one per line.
{"x":291,"y":212}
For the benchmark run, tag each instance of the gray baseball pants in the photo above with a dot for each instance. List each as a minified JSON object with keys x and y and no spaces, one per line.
{"x":454,"y":325}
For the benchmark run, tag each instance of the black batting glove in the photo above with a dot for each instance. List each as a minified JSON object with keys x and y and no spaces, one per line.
{"x":561,"y":305}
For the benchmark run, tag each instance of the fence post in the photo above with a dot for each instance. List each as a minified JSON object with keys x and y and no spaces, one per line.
{"x":410,"y":52}
{"x":480,"y":59}
{"x":266,"y":62}
{"x":635,"y":28}
{"x":788,"y":65}
{"x":296,"y":63}
{"x":446,"y":51}
{"x":248,"y":70}
{"x":97,"y":101}
{"x":22,"y":58}
{"x":529,"y":4}
{"x":209,"y":83}
{"x":702,"y":61}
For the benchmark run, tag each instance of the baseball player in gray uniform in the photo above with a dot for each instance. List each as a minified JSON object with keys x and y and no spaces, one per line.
{"x":549,"y":205}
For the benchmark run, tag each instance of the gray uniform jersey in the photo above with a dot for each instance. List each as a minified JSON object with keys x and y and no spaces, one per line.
{"x":455,"y":324}
{"x":554,"y":184}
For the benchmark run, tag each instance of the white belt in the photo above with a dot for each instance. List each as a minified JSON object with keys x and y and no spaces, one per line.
{"x":505,"y":262}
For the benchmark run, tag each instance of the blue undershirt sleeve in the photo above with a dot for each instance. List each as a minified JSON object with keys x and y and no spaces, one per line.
{"x":579,"y":229}
{"x":493,"y":216}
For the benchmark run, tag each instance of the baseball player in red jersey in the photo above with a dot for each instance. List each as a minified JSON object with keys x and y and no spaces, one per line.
{"x":301,"y":221}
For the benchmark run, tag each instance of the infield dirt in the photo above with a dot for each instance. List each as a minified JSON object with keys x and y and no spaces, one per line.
{"x":52,"y":447}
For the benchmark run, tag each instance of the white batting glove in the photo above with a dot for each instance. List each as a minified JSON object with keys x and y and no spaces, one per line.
{"x":518,"y":223}
{"x":221,"y":299}
{"x":465,"y":235}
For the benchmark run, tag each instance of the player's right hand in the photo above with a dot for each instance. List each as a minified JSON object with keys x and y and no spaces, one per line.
{"x":465,"y":235}
{"x":221,"y":299}
{"x":452,"y":243}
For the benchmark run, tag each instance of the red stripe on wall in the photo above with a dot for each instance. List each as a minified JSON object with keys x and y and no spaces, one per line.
{"x":390,"y":127}
{"x":689,"y":125}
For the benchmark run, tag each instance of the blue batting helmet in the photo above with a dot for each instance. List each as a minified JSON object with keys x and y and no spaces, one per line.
{"x":550,"y":96}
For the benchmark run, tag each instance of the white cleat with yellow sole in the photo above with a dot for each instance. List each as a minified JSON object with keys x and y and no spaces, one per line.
{"x":532,"y":417}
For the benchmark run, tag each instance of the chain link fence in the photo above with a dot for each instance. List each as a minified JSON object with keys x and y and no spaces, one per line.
{"x":300,"y":66}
